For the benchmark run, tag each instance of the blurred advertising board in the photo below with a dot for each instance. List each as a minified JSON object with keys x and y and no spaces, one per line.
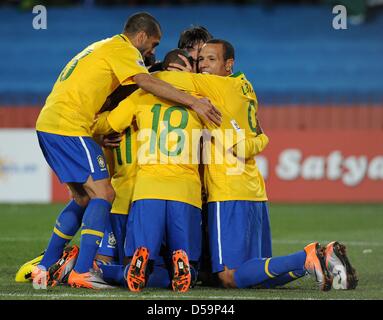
{"x":324,"y":166}
{"x":24,"y":174}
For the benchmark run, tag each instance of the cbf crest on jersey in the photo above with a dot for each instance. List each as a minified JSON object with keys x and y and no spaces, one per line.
{"x":101,"y":162}
{"x":141,"y":63}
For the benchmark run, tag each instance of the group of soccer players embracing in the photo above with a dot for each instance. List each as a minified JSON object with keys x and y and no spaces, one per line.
{"x":186,"y":203}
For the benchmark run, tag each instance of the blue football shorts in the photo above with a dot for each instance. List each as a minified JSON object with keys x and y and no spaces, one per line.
{"x":238,"y":231}
{"x":73,"y":159}
{"x":152,"y":222}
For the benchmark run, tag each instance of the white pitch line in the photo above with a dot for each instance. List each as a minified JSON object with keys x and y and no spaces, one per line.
{"x":63,"y":295}
{"x":22,"y":239}
{"x":167,"y":297}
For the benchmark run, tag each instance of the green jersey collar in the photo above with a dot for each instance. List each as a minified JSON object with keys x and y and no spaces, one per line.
{"x":237,"y":74}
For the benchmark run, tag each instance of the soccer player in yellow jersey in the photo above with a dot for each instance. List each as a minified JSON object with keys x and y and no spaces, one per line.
{"x":236,"y":187}
{"x":63,"y":130}
{"x":167,"y":193}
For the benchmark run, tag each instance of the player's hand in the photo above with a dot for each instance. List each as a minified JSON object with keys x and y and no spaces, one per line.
{"x":178,"y":67}
{"x":207,"y":111}
{"x":258,"y":128}
{"x":239,"y":150}
{"x":112,"y":140}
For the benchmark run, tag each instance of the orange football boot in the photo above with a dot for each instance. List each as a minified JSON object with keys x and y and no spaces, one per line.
{"x":59,"y":272}
{"x":91,"y":280}
{"x":136,"y":277}
{"x":181,"y":271}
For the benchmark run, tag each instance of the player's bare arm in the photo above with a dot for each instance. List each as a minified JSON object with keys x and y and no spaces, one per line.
{"x":258,"y":128}
{"x":112,"y":140}
{"x":162,"y":89}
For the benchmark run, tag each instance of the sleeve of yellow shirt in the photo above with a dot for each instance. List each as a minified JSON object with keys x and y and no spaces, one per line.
{"x":210,"y":86}
{"x":126,"y":62}
{"x":251,"y":146}
{"x":179,"y":79}
{"x":101,"y":125}
{"x":121,"y":117}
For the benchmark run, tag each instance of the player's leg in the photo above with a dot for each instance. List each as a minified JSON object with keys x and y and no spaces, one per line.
{"x":79,"y":161}
{"x":93,"y":222}
{"x":311,"y":259}
{"x":94,"y":178}
{"x":184,"y":239}
{"x":235,"y":235}
{"x":84,"y":274}
{"x":107,"y":253}
{"x":92,"y":230}
{"x":258,"y":270}
{"x":266,"y":250}
{"x":109,"y":258}
{"x":283,"y":279}
{"x":58,"y":259}
{"x":93,"y":226}
{"x":230,"y":253}
{"x":111,"y":249}
{"x":67,"y":158}
{"x":147,"y":221}
{"x":266,"y":246}
{"x":67,"y":224}
{"x":118,"y":274}
{"x":92,"y":173}
{"x":106,"y":258}
{"x":111,"y":254}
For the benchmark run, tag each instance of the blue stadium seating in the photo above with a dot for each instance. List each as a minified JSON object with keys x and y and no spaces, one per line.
{"x":290,"y":53}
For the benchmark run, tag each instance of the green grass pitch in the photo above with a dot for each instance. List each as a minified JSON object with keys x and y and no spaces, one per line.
{"x":25,"y":230}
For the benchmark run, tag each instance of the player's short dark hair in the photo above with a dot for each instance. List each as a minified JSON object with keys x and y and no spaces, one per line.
{"x":228,"y":49}
{"x":142,"y":21}
{"x":172,"y":57}
{"x":193,"y":35}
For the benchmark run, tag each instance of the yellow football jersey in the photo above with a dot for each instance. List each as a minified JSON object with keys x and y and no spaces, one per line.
{"x":85,"y":83}
{"x":125,"y":170}
{"x":167,"y":146}
{"x":227,"y":177}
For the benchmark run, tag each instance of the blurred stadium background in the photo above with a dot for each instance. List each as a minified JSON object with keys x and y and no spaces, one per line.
{"x":320,"y":93}
{"x":320,"y":90}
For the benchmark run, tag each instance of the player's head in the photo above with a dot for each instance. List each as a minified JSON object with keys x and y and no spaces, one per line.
{"x":216,"y":57}
{"x":144,"y":31}
{"x":149,"y":60}
{"x":192,"y":40}
{"x":173,"y":57}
